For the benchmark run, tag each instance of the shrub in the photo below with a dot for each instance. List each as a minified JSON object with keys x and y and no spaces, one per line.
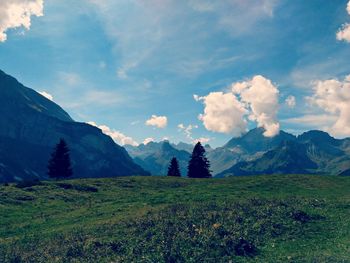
{"x":25,"y":184}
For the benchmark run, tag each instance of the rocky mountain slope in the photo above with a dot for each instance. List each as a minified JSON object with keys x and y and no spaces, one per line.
{"x":313,"y":152}
{"x":248,"y":147}
{"x":30,"y":127}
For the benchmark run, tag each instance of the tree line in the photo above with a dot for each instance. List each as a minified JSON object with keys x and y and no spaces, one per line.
{"x":60,"y":166}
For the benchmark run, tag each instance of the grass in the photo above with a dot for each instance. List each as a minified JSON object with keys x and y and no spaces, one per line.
{"x":289,"y":218}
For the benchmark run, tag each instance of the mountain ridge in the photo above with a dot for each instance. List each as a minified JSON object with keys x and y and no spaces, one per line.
{"x":30,"y":127}
{"x":313,"y":152}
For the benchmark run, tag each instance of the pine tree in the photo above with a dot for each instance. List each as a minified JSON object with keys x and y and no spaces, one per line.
{"x":198,"y":166}
{"x":60,"y":164}
{"x":173,"y":169}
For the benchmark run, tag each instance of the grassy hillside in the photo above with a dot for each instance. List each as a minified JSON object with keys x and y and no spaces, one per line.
{"x":150,"y":219}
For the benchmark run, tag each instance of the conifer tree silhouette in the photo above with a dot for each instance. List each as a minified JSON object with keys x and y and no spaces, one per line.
{"x":198,"y":166}
{"x":174,"y":169}
{"x":60,"y":163}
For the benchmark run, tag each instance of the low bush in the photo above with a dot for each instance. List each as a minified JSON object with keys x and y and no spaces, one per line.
{"x":27,"y":184}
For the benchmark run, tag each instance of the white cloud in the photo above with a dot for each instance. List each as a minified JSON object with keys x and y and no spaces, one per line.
{"x":46,"y":95}
{"x":291,"y":101}
{"x":196,"y":97}
{"x":117,"y":136}
{"x":333,"y":96}
{"x":202,"y":140}
{"x":223,"y":113}
{"x":260,"y":96}
{"x":157,"y":121}
{"x":226,"y":112}
{"x":147,"y":141}
{"x":17,"y":13}
{"x":344,"y":32}
{"x":187,"y":129}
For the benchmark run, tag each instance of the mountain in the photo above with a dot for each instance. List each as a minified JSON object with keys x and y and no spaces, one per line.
{"x":289,"y":158}
{"x":313,"y":152}
{"x":254,"y":141}
{"x":249,"y":146}
{"x":189,"y":147}
{"x":30,"y":127}
{"x":155,"y":157}
{"x":182,"y":146}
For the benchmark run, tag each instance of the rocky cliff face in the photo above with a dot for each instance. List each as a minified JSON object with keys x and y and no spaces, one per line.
{"x":31,"y":125}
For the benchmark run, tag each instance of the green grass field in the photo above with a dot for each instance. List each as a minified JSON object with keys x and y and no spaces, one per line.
{"x":156,"y":219}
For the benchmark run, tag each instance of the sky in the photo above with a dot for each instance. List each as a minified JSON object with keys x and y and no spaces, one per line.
{"x":145,"y":70}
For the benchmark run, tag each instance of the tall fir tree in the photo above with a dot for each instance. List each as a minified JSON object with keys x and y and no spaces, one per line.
{"x":174,"y":169}
{"x":60,"y":163}
{"x":198,"y":166}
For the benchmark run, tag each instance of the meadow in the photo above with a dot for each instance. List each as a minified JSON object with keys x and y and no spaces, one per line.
{"x":280,"y":218}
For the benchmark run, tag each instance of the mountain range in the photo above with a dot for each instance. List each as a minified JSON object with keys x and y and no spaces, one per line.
{"x":31,"y":125}
{"x":313,"y":152}
{"x":155,"y":156}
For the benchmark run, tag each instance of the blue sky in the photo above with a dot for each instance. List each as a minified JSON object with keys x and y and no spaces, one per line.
{"x":118,"y":63}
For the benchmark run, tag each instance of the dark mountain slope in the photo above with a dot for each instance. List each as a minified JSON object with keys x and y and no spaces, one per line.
{"x":289,"y":157}
{"x":313,"y":152}
{"x":254,"y":141}
{"x":249,"y":146}
{"x":31,"y":125}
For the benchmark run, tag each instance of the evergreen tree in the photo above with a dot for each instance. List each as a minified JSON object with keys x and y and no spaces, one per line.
{"x":174,"y":169}
{"x":198,"y":166}
{"x":60,"y":164}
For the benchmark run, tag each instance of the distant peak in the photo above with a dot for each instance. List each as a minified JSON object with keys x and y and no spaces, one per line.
{"x":315,"y":135}
{"x":166,"y":145}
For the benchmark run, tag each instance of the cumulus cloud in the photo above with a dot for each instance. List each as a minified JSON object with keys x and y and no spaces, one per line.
{"x":344,"y":32}
{"x":147,"y":141}
{"x":333,"y":96}
{"x":291,"y":101}
{"x":157,"y":121}
{"x":17,"y":13}
{"x":260,"y":96}
{"x":256,"y":99}
{"x":223,"y":113}
{"x":46,"y":95}
{"x":117,"y":136}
